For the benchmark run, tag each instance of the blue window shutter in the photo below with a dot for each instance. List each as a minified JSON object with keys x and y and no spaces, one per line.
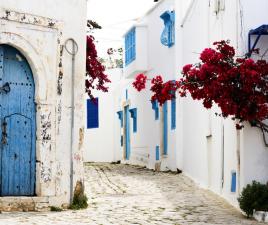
{"x":133,"y":114}
{"x":130,"y":46}
{"x":233,"y":181}
{"x":92,"y":113}
{"x":157,"y":153}
{"x":155,"y":107}
{"x":173,"y":113}
{"x":168,"y":34}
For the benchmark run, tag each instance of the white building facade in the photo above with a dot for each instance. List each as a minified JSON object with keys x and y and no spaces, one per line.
{"x":42,"y":117}
{"x":182,"y":134}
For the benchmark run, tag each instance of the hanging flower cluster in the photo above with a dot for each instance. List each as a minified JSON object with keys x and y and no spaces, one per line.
{"x":140,"y":82}
{"x":162,"y":91}
{"x":237,"y":85}
{"x":95,"y":76}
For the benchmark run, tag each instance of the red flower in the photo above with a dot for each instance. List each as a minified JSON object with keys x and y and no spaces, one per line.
{"x":95,"y":77}
{"x":237,"y":86}
{"x":140,"y":82}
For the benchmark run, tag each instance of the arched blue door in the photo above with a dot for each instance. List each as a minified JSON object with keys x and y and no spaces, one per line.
{"x":18,"y":124}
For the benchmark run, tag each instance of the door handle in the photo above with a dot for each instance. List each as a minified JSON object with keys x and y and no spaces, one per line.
{"x":5,"y":89}
{"x":4,"y":133}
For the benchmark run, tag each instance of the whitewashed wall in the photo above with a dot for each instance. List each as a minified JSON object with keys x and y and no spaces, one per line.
{"x":206,"y":145}
{"x":102,"y":143}
{"x":210,"y":143}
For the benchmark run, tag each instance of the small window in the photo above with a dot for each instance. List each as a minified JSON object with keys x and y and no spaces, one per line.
{"x":233,"y":181}
{"x":168,"y":35}
{"x":155,"y":107}
{"x":173,"y":114}
{"x":130,"y":46}
{"x":133,"y":114}
{"x":92,"y":113}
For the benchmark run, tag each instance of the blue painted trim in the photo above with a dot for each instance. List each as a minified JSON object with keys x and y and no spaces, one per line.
{"x":92,"y":113}
{"x":173,"y":114}
{"x":127,"y":132}
{"x":261,"y":30}
{"x":133,"y":115}
{"x":233,"y":181}
{"x":126,"y":94}
{"x":130,"y":46}
{"x":165,"y":131}
{"x":121,"y":140}
{"x":157,"y":153}
{"x":155,"y":107}
{"x":168,"y":34}
{"x":120,"y":116}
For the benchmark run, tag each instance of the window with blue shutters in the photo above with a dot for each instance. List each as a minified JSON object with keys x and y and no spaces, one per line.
{"x":130,"y":46}
{"x":92,"y":113}
{"x":133,"y":114}
{"x":173,"y":113}
{"x":168,"y":35}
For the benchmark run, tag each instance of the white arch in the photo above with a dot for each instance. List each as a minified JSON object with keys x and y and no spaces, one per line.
{"x":40,"y":72}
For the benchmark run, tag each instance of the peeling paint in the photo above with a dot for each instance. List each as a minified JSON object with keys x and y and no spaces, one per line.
{"x":81,"y":137}
{"x":77,"y":157}
{"x":59,"y":112}
{"x":45,"y":127}
{"x":46,"y":174}
{"x":30,"y":19}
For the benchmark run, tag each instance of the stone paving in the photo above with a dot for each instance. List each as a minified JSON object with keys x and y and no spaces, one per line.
{"x":123,"y":194}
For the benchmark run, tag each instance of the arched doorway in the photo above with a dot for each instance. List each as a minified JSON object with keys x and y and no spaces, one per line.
{"x":18,"y":124}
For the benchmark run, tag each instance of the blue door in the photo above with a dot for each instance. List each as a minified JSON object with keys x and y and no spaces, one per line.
{"x":165,"y":127}
{"x":127,"y":132}
{"x":17,"y":112}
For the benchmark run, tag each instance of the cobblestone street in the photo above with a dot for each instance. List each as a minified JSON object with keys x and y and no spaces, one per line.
{"x":123,"y":194}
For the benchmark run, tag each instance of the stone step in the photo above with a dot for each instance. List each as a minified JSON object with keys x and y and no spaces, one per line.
{"x":24,"y":204}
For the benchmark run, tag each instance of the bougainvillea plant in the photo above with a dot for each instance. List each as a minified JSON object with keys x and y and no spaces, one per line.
{"x":96,"y":79}
{"x":237,"y":85}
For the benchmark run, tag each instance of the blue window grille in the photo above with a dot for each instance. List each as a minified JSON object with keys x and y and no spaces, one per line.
{"x":168,"y":35}
{"x":233,"y":181}
{"x":120,"y":116}
{"x":173,"y":114}
{"x":133,"y":114}
{"x":157,"y":153}
{"x":130,"y":46}
{"x":155,"y":107}
{"x":92,"y":113}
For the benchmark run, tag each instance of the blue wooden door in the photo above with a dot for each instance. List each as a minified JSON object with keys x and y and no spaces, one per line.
{"x":165,"y":127}
{"x":127,"y":132}
{"x":18,"y":124}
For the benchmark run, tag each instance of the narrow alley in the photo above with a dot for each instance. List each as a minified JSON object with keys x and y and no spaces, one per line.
{"x":124,"y":194}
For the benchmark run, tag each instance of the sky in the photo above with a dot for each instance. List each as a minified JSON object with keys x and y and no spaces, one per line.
{"x":115,"y":17}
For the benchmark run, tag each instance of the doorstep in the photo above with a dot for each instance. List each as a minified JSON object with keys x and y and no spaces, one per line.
{"x":24,"y":203}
